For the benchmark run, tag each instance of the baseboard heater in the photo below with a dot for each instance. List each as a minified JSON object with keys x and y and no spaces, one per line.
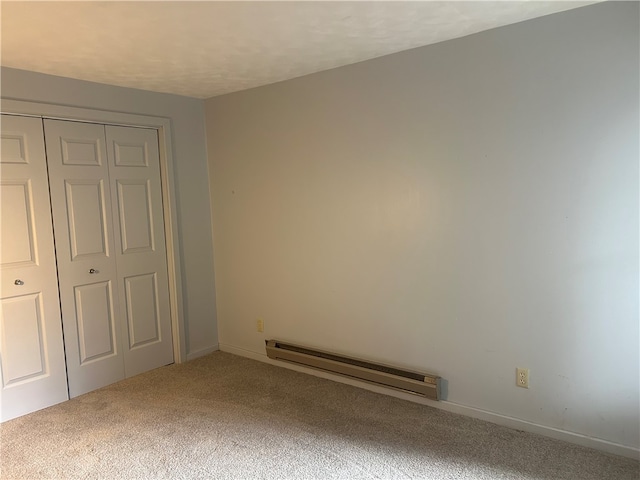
{"x":419,"y":383}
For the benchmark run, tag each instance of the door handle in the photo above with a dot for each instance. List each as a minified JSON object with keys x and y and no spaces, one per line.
{"x":18,"y":282}
{"x":93,"y":270}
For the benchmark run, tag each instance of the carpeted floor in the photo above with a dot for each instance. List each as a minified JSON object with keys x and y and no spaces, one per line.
{"x":223,"y":416}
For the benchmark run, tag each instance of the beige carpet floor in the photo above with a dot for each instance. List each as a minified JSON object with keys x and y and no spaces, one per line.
{"x":223,"y":416}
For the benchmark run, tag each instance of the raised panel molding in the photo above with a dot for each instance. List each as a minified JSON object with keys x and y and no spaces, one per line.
{"x":96,"y":327}
{"x":14,"y":149}
{"x":17,"y":217}
{"x":131,"y":155}
{"x":143,"y":320}
{"x":21,"y":317}
{"x":136,"y":220}
{"x":81,"y":152}
{"x":85,"y":208}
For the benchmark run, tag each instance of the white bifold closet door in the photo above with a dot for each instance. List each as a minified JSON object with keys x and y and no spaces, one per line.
{"x":112,"y":267}
{"x":31,"y":347}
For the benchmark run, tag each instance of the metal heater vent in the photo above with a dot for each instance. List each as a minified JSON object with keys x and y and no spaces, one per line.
{"x":419,"y":383}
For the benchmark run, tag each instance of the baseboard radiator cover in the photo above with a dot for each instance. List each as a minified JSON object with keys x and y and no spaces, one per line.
{"x":423,"y":384}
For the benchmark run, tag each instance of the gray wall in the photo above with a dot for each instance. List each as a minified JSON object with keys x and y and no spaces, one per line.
{"x":190,"y":161}
{"x":463,"y":208}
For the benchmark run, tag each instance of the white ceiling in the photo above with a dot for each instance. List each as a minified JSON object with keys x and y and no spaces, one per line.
{"x":203,"y":49}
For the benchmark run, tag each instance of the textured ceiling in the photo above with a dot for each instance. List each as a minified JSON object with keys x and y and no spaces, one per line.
{"x":203,"y":49}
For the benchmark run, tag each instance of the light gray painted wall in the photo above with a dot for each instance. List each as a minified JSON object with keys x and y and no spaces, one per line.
{"x":463,"y":208}
{"x":190,"y":161}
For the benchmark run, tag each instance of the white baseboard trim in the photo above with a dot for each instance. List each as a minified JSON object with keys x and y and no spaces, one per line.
{"x":202,"y":352}
{"x":511,"y":422}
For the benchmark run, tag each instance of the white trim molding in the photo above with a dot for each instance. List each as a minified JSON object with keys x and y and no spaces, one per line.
{"x":506,"y":421}
{"x":163,"y":126}
{"x":202,"y":352}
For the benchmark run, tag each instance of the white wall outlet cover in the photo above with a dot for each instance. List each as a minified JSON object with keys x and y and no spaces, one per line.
{"x":522,"y":377}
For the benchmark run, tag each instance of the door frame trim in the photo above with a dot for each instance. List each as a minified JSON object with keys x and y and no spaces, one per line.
{"x":167,"y":178}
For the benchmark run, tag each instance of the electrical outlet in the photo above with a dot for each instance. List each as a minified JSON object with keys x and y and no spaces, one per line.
{"x":522,"y":377}
{"x":260,"y":325}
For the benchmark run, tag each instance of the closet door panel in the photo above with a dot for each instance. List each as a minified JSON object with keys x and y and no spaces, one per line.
{"x":135,"y":217}
{"x":140,"y":247}
{"x":96,"y":324}
{"x":32,"y":366}
{"x":16,"y":206}
{"x":82,"y":204}
{"x":22,"y":319}
{"x":143,"y":318}
{"x":86,"y":217}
